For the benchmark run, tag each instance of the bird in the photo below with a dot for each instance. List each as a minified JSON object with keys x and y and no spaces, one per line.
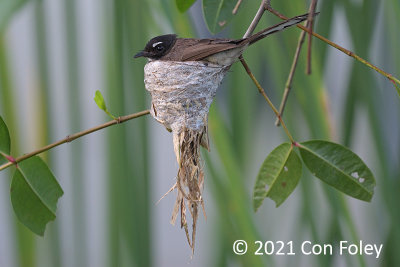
{"x":223,"y":52}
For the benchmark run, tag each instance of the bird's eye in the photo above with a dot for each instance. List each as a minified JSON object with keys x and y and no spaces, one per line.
{"x":160,"y":48}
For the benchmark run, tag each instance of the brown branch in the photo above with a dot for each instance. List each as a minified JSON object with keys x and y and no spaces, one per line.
{"x":289,"y":81}
{"x":72,"y":137}
{"x":262,"y":91}
{"x":310,"y":24}
{"x":340,"y":48}
{"x":235,"y":9}
{"x":257,"y":17}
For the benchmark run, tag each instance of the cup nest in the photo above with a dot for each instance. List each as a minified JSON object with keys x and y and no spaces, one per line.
{"x":181,"y":95}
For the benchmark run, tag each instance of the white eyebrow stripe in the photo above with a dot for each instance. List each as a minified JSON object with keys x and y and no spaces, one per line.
{"x":155,"y":44}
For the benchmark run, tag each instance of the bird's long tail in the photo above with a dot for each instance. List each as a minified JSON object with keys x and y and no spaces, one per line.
{"x":278,"y":27}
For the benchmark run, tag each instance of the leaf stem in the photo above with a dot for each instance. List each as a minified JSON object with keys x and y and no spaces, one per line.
{"x":110,"y":115}
{"x":262,"y":91}
{"x":72,"y":137}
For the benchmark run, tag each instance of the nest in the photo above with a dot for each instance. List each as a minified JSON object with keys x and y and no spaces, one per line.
{"x":182,"y":93}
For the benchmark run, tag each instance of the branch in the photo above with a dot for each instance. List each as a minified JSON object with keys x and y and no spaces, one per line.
{"x":72,"y":137}
{"x":257,"y":17}
{"x":289,"y":81}
{"x":262,"y":91}
{"x":310,"y":24}
{"x":235,"y":9}
{"x":266,"y":5}
{"x":342,"y":49}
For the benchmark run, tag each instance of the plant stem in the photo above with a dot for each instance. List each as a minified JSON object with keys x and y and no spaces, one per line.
{"x":235,"y":9}
{"x":262,"y":91}
{"x":342,"y":49}
{"x":397,"y":87}
{"x":256,"y":18}
{"x":310,"y":24}
{"x":289,"y":81}
{"x":72,"y":137}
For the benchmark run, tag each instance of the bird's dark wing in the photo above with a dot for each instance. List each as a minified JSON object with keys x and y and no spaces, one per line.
{"x":207,"y":47}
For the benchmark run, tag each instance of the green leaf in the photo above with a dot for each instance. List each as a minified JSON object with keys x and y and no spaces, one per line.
{"x":184,"y":5}
{"x":218,"y":13}
{"x":34,"y":194}
{"x":278,"y":176}
{"x":5,"y":143}
{"x":339,"y":167}
{"x":98,"y":98}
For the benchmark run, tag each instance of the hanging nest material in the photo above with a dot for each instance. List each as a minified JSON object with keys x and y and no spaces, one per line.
{"x":181,"y":94}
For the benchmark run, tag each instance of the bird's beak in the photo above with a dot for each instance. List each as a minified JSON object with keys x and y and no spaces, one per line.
{"x":142,"y":54}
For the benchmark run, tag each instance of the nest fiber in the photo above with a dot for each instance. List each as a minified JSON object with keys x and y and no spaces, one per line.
{"x":182,"y":92}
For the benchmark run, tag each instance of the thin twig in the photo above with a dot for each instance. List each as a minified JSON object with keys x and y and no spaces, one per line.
{"x":262,"y":91}
{"x":267,"y":4}
{"x":397,"y":87}
{"x":342,"y":49}
{"x":72,"y":137}
{"x":235,"y":9}
{"x":257,"y":17}
{"x":289,"y":81}
{"x":310,"y":24}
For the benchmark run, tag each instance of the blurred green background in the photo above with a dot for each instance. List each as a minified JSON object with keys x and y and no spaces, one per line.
{"x":54,"y":55}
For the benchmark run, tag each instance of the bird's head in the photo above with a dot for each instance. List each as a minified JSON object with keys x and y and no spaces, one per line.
{"x":158,"y":46}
